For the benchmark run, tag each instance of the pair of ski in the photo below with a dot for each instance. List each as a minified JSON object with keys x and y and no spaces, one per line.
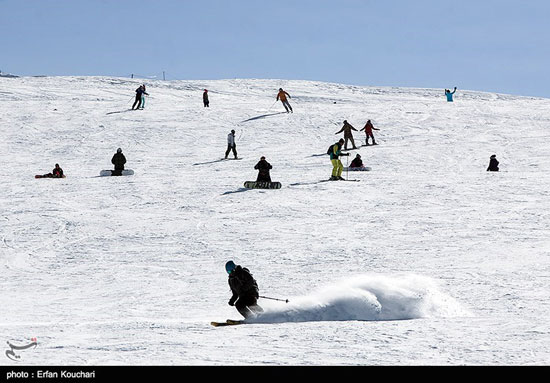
{"x":229,"y":322}
{"x":317,"y":182}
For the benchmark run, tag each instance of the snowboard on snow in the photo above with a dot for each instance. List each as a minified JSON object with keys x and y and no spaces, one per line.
{"x":362,"y":169}
{"x":262,"y":185}
{"x":125,"y":172}
{"x":228,"y":322}
{"x":45,"y":176}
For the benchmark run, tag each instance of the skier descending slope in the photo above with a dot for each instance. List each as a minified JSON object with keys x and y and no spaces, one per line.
{"x":335,"y":151}
{"x":245,"y":290}
{"x":368,"y":131}
{"x":140,"y":97}
{"x":282,"y":95}
{"x":347,"y":128}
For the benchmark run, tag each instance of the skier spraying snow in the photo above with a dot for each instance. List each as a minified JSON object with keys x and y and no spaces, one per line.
{"x":493,"y":164}
{"x":282,"y":95}
{"x":205,"y":100}
{"x":231,"y":146}
{"x":245,"y":290}
{"x":347,"y":128}
{"x":140,"y":92}
{"x":335,"y":151}
{"x":368,"y":131}
{"x":263,"y":168}
{"x":449,"y":94}
{"x":118,"y":160}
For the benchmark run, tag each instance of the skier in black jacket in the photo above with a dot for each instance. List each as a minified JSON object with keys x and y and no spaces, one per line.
{"x":205,"y":100}
{"x":118,"y":160}
{"x":245,"y":290}
{"x":263,"y":168}
{"x":139,"y":92}
{"x":493,"y":164}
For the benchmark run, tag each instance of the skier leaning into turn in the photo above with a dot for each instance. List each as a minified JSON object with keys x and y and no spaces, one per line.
{"x":245,"y":290}
{"x":282,"y":95}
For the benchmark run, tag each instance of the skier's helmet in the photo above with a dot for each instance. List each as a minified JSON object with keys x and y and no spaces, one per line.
{"x":119,"y":150}
{"x":229,"y":267}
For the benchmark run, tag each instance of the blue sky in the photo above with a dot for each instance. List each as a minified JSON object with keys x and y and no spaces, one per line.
{"x":487,"y":45}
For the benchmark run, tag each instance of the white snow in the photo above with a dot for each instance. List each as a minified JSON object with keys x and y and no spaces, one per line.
{"x":429,"y":259}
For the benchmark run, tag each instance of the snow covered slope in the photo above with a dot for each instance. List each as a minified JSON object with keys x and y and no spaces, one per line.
{"x":429,"y":259}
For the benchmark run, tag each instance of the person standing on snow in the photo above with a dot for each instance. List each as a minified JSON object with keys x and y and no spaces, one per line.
{"x":493,"y":164}
{"x":245,"y":290}
{"x":205,"y":100}
{"x":449,"y":94}
{"x":263,"y":168}
{"x":139,"y":94}
{"x":337,"y":167}
{"x":282,"y":95}
{"x":347,"y":128}
{"x":118,"y":160}
{"x":231,"y":146}
{"x":368,"y":131}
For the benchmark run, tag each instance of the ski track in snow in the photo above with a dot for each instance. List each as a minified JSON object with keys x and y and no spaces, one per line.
{"x":428,"y":260}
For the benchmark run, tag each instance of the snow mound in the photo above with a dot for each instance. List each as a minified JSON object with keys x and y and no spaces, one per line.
{"x":369,"y":298}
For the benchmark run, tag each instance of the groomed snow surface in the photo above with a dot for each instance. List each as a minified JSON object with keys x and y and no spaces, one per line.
{"x":428,"y":260}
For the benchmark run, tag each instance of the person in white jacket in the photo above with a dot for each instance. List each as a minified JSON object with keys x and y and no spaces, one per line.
{"x":231,"y":146}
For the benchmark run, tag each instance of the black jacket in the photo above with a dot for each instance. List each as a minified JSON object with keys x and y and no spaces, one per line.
{"x":263,"y":171}
{"x":242,"y":283}
{"x":356,"y":163}
{"x":263,"y":167}
{"x":57,"y":172}
{"x":493,"y":165}
{"x":118,"y":160}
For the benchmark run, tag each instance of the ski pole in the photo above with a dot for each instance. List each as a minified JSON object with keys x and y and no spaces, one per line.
{"x":274,"y":299}
{"x":271,"y":106}
{"x":347,"y":167}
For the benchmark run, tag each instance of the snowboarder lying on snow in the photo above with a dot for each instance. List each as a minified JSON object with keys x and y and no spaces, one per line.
{"x":263,"y":168}
{"x":368,"y":131}
{"x":493,"y":164}
{"x":245,"y":290}
{"x":57,"y":172}
{"x":282,"y":95}
{"x":118,"y":160}
{"x":337,"y":166}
